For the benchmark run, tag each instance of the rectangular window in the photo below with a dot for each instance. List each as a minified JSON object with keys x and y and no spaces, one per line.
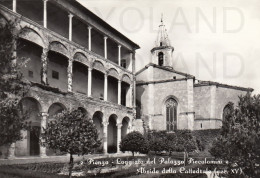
{"x":55,"y":74}
{"x":30,"y":74}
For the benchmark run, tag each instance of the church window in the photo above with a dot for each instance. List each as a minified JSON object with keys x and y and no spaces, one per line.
{"x":226,"y":111}
{"x":160,"y":58}
{"x":171,"y":115}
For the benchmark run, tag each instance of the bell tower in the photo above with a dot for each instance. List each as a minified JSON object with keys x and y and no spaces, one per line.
{"x":162,"y":52}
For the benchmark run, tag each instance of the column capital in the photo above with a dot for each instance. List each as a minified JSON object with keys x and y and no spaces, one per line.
{"x":119,"y":46}
{"x":70,"y":15}
{"x":45,"y":52}
{"x":105,"y":124}
{"x":90,"y":68}
{"x":45,"y":0}
{"x":119,"y":81}
{"x":45,"y":49}
{"x":89,"y":27}
{"x":44,"y":114}
{"x":106,"y":74}
{"x":119,"y":125}
{"x":105,"y":37}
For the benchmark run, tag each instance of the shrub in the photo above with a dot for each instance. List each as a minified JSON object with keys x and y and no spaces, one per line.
{"x":134,"y":142}
{"x":156,"y":140}
{"x":206,"y":137}
{"x":171,"y":140}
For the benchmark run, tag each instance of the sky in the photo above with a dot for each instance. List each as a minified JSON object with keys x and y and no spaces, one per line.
{"x":216,"y":40}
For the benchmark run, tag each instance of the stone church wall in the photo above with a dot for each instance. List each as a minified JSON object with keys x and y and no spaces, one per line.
{"x":153,"y":99}
{"x":209,"y":102}
{"x":224,"y":96}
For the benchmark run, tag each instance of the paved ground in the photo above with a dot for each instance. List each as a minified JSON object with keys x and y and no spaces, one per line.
{"x":59,"y":159}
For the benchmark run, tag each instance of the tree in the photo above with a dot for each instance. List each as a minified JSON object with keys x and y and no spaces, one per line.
{"x":71,"y":132}
{"x":157,"y":140}
{"x":171,"y":144}
{"x":239,"y":140}
{"x":134,"y":142}
{"x":12,"y":86}
{"x":185,"y":142}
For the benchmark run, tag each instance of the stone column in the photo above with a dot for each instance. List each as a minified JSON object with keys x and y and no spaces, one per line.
{"x":70,"y":26}
{"x":70,"y":76}
{"x":130,"y":68}
{"x":134,"y":93}
{"x":119,"y":126}
{"x":119,"y":55}
{"x":14,"y":5}
{"x":44,"y":61}
{"x":89,"y":81}
{"x":45,"y":13}
{"x":105,"y":124}
{"x":89,"y":38}
{"x":11,"y":151}
{"x":119,"y":92}
{"x":133,"y":62}
{"x":43,"y":126}
{"x":105,"y":47}
{"x":105,"y":87}
{"x":131,"y":95}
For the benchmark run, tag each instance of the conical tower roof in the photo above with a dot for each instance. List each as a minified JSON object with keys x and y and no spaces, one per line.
{"x":162,"y":40}
{"x":162,"y":37}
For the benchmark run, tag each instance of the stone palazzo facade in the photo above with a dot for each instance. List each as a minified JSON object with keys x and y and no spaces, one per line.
{"x":76,"y":60}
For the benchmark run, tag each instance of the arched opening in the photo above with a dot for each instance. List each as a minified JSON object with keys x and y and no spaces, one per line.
{"x":31,"y":52}
{"x":83,"y":110}
{"x":125,"y":125}
{"x":112,"y":89}
{"x":54,"y":109}
{"x":57,"y":70}
{"x":29,"y":145}
{"x":112,"y":134}
{"x":160,"y":58}
{"x":97,"y":120}
{"x":126,"y":93}
{"x":97,"y":84}
{"x":227,"y":111}
{"x":80,"y":78}
{"x":171,"y":114}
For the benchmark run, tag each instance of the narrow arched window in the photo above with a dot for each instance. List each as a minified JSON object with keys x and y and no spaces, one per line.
{"x":171,"y":115}
{"x":160,"y":58}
